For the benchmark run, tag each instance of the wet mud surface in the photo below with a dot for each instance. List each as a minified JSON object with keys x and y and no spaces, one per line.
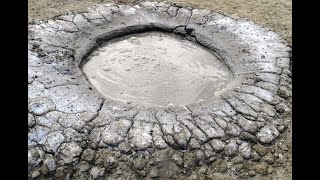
{"x":157,"y":69}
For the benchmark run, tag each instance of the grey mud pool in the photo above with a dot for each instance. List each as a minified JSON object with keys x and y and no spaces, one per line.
{"x":157,"y":69}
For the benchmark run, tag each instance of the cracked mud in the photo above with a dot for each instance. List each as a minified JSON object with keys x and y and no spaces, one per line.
{"x":77,"y":132}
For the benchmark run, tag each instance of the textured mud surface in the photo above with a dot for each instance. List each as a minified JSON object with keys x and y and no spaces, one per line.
{"x":76,"y":133}
{"x":157,"y":69}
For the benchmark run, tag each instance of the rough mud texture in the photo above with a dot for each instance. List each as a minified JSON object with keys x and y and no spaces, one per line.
{"x":76,"y":133}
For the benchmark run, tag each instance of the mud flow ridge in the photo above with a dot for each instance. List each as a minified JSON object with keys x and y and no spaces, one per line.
{"x":155,"y":90}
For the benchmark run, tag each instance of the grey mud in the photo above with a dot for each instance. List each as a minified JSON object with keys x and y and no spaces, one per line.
{"x":157,"y":69}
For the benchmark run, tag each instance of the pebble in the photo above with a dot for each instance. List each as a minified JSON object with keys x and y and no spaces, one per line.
{"x":35,"y":174}
{"x":44,"y":169}
{"x":269,"y":158}
{"x":96,"y":172}
{"x":261,"y":168}
{"x":261,"y":150}
{"x":237,"y":160}
{"x":270,"y":170}
{"x":50,"y":164}
{"x":154,"y":173}
{"x":88,"y":155}
{"x":252,"y":173}
{"x":177,"y":159}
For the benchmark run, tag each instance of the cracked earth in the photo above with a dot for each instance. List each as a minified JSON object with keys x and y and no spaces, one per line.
{"x":76,"y":133}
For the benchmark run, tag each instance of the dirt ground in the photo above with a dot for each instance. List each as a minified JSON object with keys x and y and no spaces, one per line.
{"x":275,"y":15}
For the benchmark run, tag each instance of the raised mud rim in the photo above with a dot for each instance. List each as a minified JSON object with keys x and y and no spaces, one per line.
{"x":68,"y":119}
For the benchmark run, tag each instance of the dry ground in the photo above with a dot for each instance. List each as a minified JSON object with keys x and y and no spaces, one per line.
{"x":273,"y":14}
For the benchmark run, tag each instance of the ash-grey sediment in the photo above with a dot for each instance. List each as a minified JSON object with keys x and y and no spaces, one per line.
{"x":76,"y":133}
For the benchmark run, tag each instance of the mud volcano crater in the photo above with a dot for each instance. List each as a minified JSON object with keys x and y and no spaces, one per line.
{"x":157,"y":68}
{"x":180,"y":88}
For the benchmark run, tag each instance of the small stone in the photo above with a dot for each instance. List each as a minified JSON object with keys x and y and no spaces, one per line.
{"x":199,"y":155}
{"x":96,"y":172}
{"x":189,"y":160}
{"x":248,"y":137}
{"x":69,"y":151}
{"x":125,"y":147}
{"x":220,"y":165}
{"x":211,"y":159}
{"x":237,"y":160}
{"x":267,"y":134}
{"x":238,"y":167}
{"x":203,"y":170}
{"x":44,"y":169}
{"x":53,"y":141}
{"x":194,"y":144}
{"x":245,"y":150}
{"x":252,"y":173}
{"x":284,"y":92}
{"x":139,"y":163}
{"x":50,"y":164}
{"x":110,"y":163}
{"x":261,"y":150}
{"x":272,"y":150}
{"x":88,"y":155}
{"x":154,"y":173}
{"x":261,"y":168}
{"x":231,"y":148}
{"x":270,"y":170}
{"x":255,"y":156}
{"x":83,"y":166}
{"x":217,"y":145}
{"x":34,"y":153}
{"x":281,"y":107}
{"x":282,"y":146}
{"x":31,"y":120}
{"x":233,"y":130}
{"x":269,"y":158}
{"x":281,"y":159}
{"x":177,"y":159}
{"x":194,"y":176}
{"x":35,"y":174}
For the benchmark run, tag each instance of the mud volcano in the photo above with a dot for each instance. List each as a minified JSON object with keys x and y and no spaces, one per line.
{"x":152,"y":90}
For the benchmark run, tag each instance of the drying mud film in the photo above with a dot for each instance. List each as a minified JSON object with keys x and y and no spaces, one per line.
{"x":152,"y":90}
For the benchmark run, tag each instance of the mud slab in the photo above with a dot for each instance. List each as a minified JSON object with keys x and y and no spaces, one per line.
{"x":77,"y":133}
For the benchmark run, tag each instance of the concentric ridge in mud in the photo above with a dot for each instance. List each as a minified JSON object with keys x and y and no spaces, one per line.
{"x":76,"y":133}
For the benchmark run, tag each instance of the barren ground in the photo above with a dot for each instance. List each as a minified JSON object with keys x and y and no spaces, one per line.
{"x":272,"y":14}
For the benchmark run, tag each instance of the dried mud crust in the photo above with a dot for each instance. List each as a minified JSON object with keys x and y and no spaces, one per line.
{"x":76,"y":133}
